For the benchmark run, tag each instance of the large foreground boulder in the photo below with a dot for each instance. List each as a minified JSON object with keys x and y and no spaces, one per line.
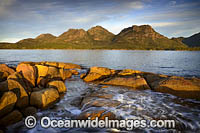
{"x":19,"y":90}
{"x":5,"y":71}
{"x":40,"y":73}
{"x":133,"y":82}
{"x":15,"y":83}
{"x":44,"y":98}
{"x":98,"y":73}
{"x":47,"y":73}
{"x":65,"y":74}
{"x":57,"y":84}
{"x":12,"y":118}
{"x":179,"y":86}
{"x":7,"y":103}
{"x":28,"y":72}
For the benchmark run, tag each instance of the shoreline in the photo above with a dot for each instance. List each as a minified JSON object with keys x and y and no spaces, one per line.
{"x":99,"y":49}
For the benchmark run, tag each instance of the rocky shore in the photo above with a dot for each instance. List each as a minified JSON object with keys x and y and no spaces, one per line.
{"x":33,"y":86}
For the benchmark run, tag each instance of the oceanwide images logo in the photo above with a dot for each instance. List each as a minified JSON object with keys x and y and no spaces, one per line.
{"x":129,"y":124}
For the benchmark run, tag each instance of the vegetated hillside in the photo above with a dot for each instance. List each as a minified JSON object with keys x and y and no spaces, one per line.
{"x":45,"y":37}
{"x":145,"y":37}
{"x":100,"y":34}
{"x":192,"y":41}
{"x":135,"y":37}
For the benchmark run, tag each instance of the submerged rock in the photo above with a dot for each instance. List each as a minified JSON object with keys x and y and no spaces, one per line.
{"x":101,"y":95}
{"x":94,"y":113}
{"x":98,"y":102}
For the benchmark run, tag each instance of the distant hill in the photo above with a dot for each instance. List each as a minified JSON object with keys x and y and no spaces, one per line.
{"x":192,"y":41}
{"x":146,"y":37}
{"x":74,"y":36}
{"x":136,"y":37}
{"x":45,"y":37}
{"x":99,"y":33}
{"x":178,"y":39}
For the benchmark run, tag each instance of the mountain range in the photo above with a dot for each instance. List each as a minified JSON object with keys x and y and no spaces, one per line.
{"x":135,"y":37}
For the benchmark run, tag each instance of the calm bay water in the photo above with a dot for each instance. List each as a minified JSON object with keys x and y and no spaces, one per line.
{"x":135,"y":104}
{"x":181,"y":63}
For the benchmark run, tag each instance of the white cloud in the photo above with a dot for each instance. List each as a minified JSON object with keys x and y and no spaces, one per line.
{"x":135,"y":5}
{"x":164,"y":24}
{"x":11,"y":40}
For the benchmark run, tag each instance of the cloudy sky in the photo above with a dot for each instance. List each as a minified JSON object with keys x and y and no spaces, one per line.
{"x":21,"y":19}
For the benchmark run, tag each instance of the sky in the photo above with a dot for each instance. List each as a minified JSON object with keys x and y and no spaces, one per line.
{"x":20,"y":19}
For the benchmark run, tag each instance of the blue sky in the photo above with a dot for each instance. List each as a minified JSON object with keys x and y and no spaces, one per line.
{"x":20,"y":19}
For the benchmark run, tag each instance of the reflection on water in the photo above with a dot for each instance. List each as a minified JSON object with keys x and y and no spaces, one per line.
{"x":181,"y":63}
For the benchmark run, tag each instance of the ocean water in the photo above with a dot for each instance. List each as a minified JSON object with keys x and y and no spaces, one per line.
{"x":181,"y":63}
